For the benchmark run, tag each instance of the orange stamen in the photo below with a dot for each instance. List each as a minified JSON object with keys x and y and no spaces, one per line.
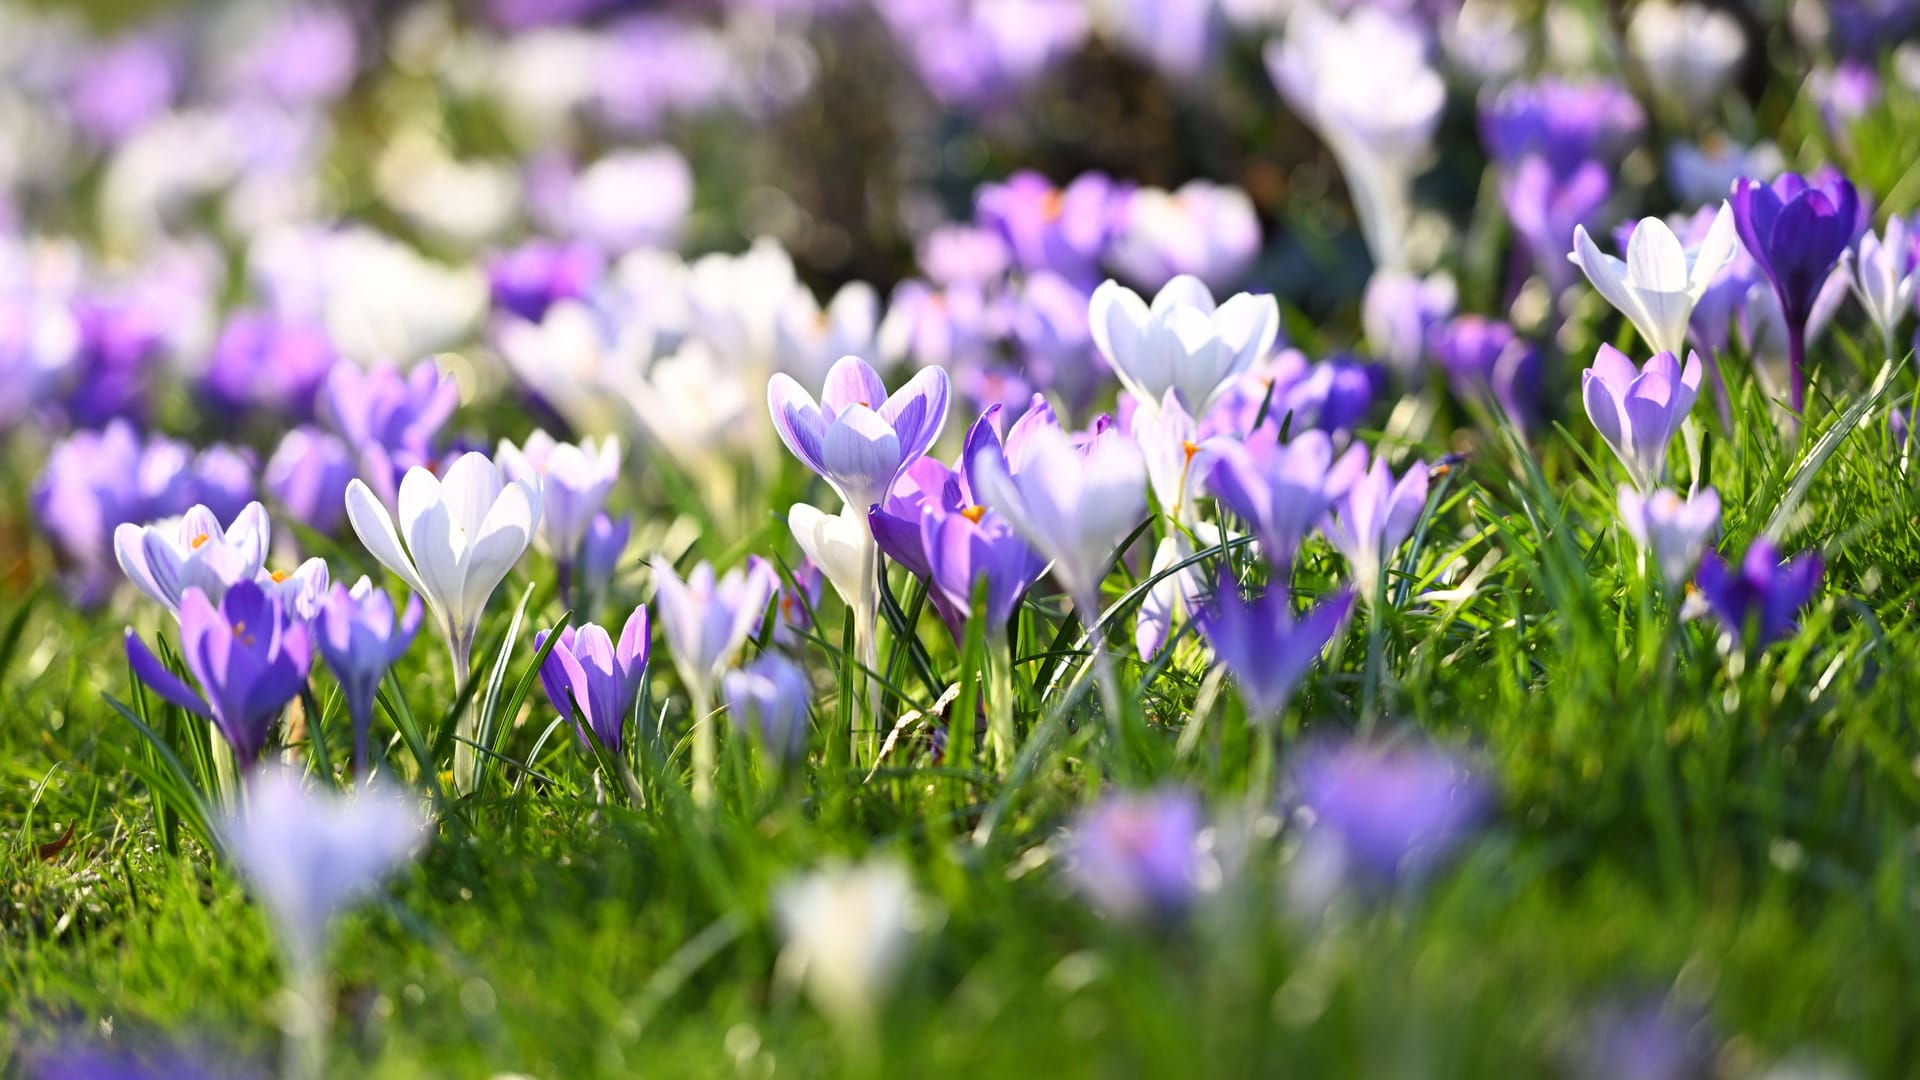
{"x":974,"y":513}
{"x":198,"y":540}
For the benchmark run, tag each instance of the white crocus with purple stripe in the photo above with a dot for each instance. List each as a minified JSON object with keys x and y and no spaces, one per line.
{"x":192,"y":551}
{"x":1374,"y":515}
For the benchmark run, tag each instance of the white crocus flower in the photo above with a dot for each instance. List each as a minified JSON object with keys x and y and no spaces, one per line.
{"x":839,"y":544}
{"x":1660,"y":282}
{"x":1881,"y":271}
{"x":192,"y":551}
{"x":809,"y":338}
{"x":847,"y":929}
{"x":1182,"y":342}
{"x":1074,"y":505}
{"x":577,"y":362}
{"x":462,"y":536}
{"x":1688,"y":51}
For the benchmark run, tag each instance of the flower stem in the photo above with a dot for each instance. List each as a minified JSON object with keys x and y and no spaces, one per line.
{"x":865,"y":616}
{"x":705,"y":746}
{"x":1000,"y":699}
{"x":304,"y":1021}
{"x":465,"y":759}
{"x":1797,"y":351}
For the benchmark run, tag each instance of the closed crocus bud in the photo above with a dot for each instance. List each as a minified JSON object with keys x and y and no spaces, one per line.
{"x":1881,"y":270}
{"x":1639,"y":410}
{"x":1671,"y":530}
{"x":1263,"y":645}
{"x":308,"y":473}
{"x":360,"y":639}
{"x":1796,"y":230}
{"x":1138,"y":856}
{"x":837,"y":544}
{"x":769,"y":698}
{"x":573,"y":482}
{"x":593,"y":681}
{"x":1183,"y":342}
{"x":1280,"y":490}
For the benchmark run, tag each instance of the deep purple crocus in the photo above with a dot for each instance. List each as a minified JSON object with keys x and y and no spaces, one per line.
{"x":260,"y":361}
{"x":1263,"y":645}
{"x":857,"y":437}
{"x":1758,"y":601}
{"x":589,"y":670}
{"x":1545,"y":206}
{"x":1796,"y":230}
{"x":528,"y":280}
{"x":120,"y":345}
{"x":1138,"y":856}
{"x":250,"y":657}
{"x":1281,"y":490}
{"x":359,"y":639}
{"x":1386,"y":814}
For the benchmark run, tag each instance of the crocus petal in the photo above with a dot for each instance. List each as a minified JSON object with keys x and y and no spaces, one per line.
{"x":150,"y":671}
{"x":372,"y":524}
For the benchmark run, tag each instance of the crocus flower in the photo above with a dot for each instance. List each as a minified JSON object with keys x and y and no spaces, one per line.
{"x":1639,"y":410}
{"x":856,"y":437}
{"x":1386,"y":814}
{"x":838,"y":545}
{"x":809,"y":338}
{"x":600,"y":552}
{"x":528,"y":280}
{"x":250,"y":656}
{"x":1688,"y":51}
{"x":1182,"y":342}
{"x":796,"y":603}
{"x":1202,"y":230}
{"x":1705,"y":172}
{"x":308,"y":473}
{"x":1400,"y":310}
{"x":307,"y":854}
{"x":1064,"y":230}
{"x":1073,"y":504}
{"x":1566,"y":124}
{"x":1138,"y":856}
{"x":1052,"y":337}
{"x":1796,"y":230}
{"x":1671,"y":530}
{"x":167,"y":558}
{"x":1487,"y":362}
{"x":390,"y":420}
{"x":573,"y":482}
{"x":1882,"y":274}
{"x":1660,"y":282}
{"x":1654,"y":1039}
{"x":95,"y":481}
{"x":1263,"y":645}
{"x":588,"y":672}
{"x":83,"y":1060}
{"x":1757,"y":601}
{"x":1545,"y":208}
{"x":707,"y":618}
{"x":1181,"y":39}
{"x":1281,"y":490}
{"x":769,"y":698}
{"x":1373,"y":516}
{"x":359,"y":640}
{"x":262,"y":361}
{"x":962,"y":255}
{"x":1380,"y":130}
{"x":973,"y":545}
{"x":302,"y":589}
{"x":846,"y":930}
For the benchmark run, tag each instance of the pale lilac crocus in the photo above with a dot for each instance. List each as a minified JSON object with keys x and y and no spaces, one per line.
{"x":574,"y":482}
{"x":769,"y":698}
{"x":1138,"y":856}
{"x":1399,"y":310}
{"x":193,"y":551}
{"x":856,"y":437}
{"x":1281,"y":490}
{"x":1183,"y":341}
{"x":594,"y":682}
{"x":1264,"y":646}
{"x":1881,"y":268}
{"x":1202,"y":230}
{"x":1373,"y":516}
{"x":308,"y":474}
{"x":1671,"y":530}
{"x":359,"y":639}
{"x":706,"y":619}
{"x":1639,"y":410}
{"x":250,"y":656}
{"x":600,"y":553}
{"x":1383,"y":815}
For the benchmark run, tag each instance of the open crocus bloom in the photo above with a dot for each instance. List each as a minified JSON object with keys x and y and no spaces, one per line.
{"x":1638,"y":410}
{"x":462,"y":536}
{"x":192,"y":551}
{"x":1182,"y":342}
{"x":1660,"y":282}
{"x":857,"y":437}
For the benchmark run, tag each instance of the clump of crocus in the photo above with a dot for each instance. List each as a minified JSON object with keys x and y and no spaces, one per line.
{"x":250,"y":655}
{"x":847,"y":929}
{"x":359,"y":640}
{"x":1659,"y":283}
{"x":388,"y":419}
{"x":1639,"y":410}
{"x":1182,"y":342}
{"x":1757,"y":602}
{"x":769,"y":698}
{"x":706,"y":619}
{"x":1373,"y":516}
{"x":1265,"y":647}
{"x":1381,"y":814}
{"x":307,"y":854}
{"x":1138,"y":856}
{"x":1796,"y":230}
{"x":1671,"y":530}
{"x":462,"y":534}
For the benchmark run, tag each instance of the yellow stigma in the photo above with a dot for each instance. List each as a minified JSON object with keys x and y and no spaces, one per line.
{"x":974,"y":513}
{"x":197,"y":541}
{"x":278,"y":576}
{"x":1191,"y":448}
{"x":1053,"y":205}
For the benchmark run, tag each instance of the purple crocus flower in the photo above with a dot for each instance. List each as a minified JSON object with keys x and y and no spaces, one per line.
{"x":120,"y":344}
{"x":260,"y":361}
{"x":528,"y":280}
{"x":600,"y":552}
{"x":588,"y":670}
{"x":1055,"y":342}
{"x":706,"y":618}
{"x":1757,"y":601}
{"x":895,"y":521}
{"x":1064,"y":230}
{"x":1487,"y":362}
{"x":309,"y":472}
{"x":769,"y":698}
{"x":95,"y":481}
{"x":1263,"y":645}
{"x":1385,"y":814}
{"x":795,"y":604}
{"x":1796,"y":230}
{"x":77,"y":1060}
{"x":390,"y":419}
{"x":1639,"y":410}
{"x":1203,"y":230}
{"x":250,"y":657}
{"x":1650,"y":1039}
{"x":971,"y":545}
{"x":1138,"y":856}
{"x":1374,"y":515}
{"x":1671,"y":530}
{"x":1400,"y":310}
{"x":1281,"y":490}
{"x":856,"y":437}
{"x":1545,"y":206}
{"x":307,"y":57}
{"x":359,"y":640}
{"x":963,"y":255}
{"x":574,"y":483}
{"x":1565,"y":124}
{"x":193,"y":552}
